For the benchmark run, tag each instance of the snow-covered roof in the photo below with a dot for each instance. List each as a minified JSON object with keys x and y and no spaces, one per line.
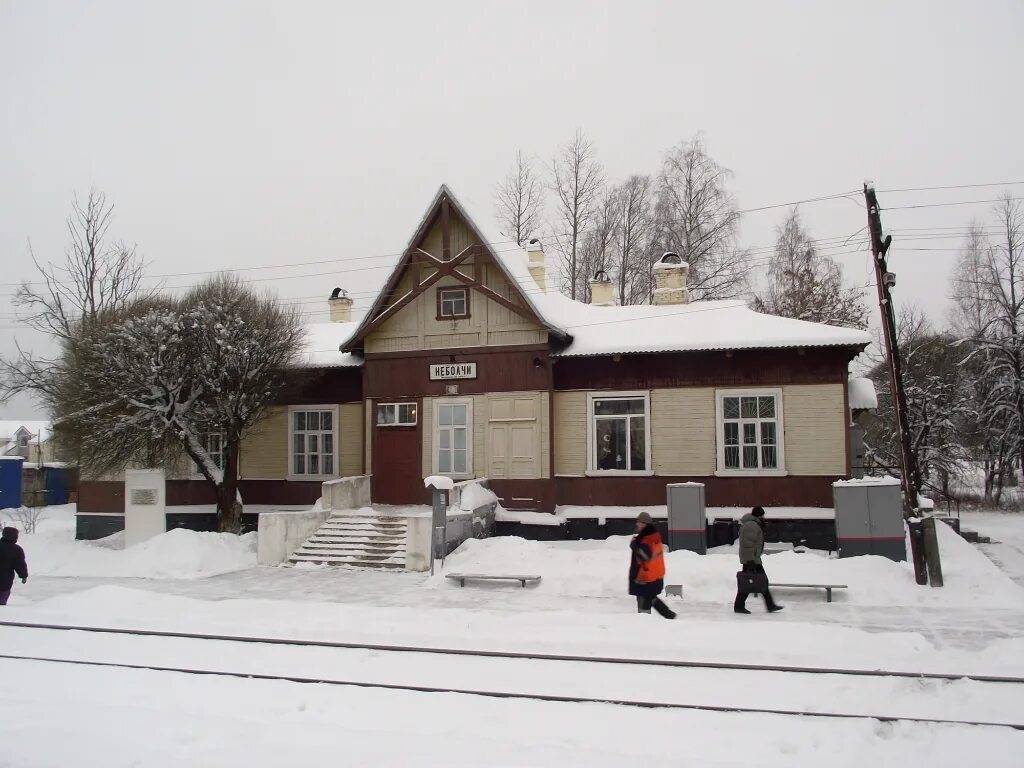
{"x":699,"y":326}
{"x":862,"y":394}
{"x":38,"y":431}
{"x":594,"y":330}
{"x":322,"y":346}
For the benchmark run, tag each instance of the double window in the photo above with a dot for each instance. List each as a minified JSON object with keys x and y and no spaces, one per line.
{"x":453,"y":436}
{"x":620,"y":432}
{"x":750,"y":431}
{"x":396,"y":414}
{"x":312,"y":441}
{"x":213,"y":444}
{"x":452,"y":303}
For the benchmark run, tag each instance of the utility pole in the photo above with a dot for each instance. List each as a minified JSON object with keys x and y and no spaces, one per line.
{"x":884,"y":281}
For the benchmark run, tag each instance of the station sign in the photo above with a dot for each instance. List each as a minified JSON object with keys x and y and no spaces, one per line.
{"x":446,"y":371}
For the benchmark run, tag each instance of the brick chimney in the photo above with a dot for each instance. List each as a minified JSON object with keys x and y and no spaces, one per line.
{"x":670,"y":275}
{"x":537,"y":270}
{"x":601,"y":294}
{"x":341,"y":306}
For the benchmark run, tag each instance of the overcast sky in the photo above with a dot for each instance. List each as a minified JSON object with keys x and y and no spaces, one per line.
{"x":233,"y":134}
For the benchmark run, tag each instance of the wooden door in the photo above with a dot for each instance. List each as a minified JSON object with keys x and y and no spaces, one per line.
{"x":397,"y":463}
{"x":513,"y":438}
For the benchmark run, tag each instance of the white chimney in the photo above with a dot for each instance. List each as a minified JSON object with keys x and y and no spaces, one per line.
{"x":601,"y":294}
{"x":537,"y":270}
{"x":670,"y":276}
{"x":341,"y":306}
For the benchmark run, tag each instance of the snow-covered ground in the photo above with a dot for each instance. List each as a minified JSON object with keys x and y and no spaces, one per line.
{"x":56,"y":715}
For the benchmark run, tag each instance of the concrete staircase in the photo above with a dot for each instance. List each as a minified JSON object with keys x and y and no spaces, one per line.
{"x":356,"y":541}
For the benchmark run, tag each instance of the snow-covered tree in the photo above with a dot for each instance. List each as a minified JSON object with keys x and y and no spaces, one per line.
{"x":986,"y":439}
{"x":934,"y":381}
{"x":807,"y":285}
{"x":519,"y":200}
{"x":695,"y":216}
{"x":157,"y":378}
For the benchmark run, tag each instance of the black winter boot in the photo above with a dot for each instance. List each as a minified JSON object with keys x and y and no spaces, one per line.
{"x":663,"y":609}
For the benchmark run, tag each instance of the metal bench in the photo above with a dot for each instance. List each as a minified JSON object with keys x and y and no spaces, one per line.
{"x":461,"y":578}
{"x":827,"y":587}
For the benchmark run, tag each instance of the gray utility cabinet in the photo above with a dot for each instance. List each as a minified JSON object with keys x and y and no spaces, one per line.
{"x":687,"y":519}
{"x":869,"y":518}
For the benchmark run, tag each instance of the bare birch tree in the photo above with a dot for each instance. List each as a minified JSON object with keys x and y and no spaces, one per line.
{"x":635,"y":277}
{"x":807,"y":285}
{"x":519,"y":201}
{"x":576,"y":180}
{"x":598,"y":244}
{"x":97,"y":276}
{"x":696,"y":217}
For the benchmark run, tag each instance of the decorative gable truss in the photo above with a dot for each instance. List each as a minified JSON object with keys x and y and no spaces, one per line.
{"x":466,"y":268}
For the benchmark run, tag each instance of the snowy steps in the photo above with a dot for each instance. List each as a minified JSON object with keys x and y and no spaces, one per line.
{"x":356,"y":541}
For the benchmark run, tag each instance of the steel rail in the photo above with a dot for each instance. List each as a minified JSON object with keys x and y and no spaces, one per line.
{"x":516,"y":694}
{"x":682,"y":663}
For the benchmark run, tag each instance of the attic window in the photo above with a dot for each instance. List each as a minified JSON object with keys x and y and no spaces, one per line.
{"x":452,"y":303}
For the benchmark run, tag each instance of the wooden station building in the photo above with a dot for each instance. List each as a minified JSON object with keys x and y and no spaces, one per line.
{"x":470,"y":364}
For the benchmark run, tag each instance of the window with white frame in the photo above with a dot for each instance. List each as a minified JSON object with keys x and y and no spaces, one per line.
{"x":750,"y":431}
{"x":452,"y":303}
{"x":453,"y":437}
{"x":396,"y":414}
{"x":312,"y":441}
{"x":213,"y":444}
{"x":619,"y":432}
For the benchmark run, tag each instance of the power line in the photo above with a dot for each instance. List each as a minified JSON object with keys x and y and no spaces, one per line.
{"x":954,"y":186}
{"x":945,"y":205}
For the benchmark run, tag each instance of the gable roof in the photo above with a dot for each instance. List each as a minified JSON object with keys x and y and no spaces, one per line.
{"x":433,"y":210}
{"x":38,"y":431}
{"x":588,"y":330}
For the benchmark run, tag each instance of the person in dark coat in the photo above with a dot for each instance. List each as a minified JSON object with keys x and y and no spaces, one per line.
{"x":751,"y":549}
{"x":12,"y":561}
{"x":647,"y":568}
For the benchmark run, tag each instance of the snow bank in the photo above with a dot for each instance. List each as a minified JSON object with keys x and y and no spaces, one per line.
{"x":599,"y":568}
{"x":177,"y":554}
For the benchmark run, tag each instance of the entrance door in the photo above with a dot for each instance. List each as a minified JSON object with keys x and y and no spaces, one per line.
{"x":397,"y":450}
{"x":513,"y":438}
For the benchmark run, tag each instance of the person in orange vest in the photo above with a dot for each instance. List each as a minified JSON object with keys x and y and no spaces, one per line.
{"x":647,"y":568}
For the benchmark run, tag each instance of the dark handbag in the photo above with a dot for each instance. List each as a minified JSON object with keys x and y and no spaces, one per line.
{"x":753,"y":582}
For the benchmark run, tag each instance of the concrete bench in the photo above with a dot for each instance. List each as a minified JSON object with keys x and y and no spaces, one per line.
{"x":461,"y":578}
{"x":674,"y":589}
{"x":827,"y":587}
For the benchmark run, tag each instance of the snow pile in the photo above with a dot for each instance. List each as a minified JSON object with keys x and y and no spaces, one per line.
{"x":599,"y":569}
{"x":177,"y":554}
{"x":476,"y":495}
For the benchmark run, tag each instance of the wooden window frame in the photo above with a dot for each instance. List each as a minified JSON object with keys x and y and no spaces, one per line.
{"x":436,"y":440}
{"x":335,"y":436}
{"x":398,"y":409}
{"x":205,"y":440}
{"x":452,"y":288}
{"x":592,"y":469}
{"x":780,"y":433}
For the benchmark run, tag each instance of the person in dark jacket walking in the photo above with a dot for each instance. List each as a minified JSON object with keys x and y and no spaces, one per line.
{"x":12,"y":561}
{"x":647,"y":568}
{"x":751,"y":549}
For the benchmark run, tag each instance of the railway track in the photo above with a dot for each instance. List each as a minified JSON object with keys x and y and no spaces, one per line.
{"x":896,"y":696}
